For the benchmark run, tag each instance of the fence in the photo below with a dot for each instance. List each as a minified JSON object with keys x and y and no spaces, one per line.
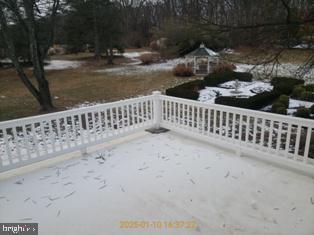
{"x":27,"y":140}
{"x":278,"y":138}
{"x":275,"y":137}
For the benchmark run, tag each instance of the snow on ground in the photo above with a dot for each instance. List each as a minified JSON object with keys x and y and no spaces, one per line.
{"x":281,"y":70}
{"x":85,"y":104}
{"x":304,"y":46}
{"x":55,"y":64}
{"x":209,"y":94}
{"x":228,"y":51}
{"x":161,"y":177}
{"x":135,"y":66}
{"x":139,"y":69}
{"x":62,"y":64}
{"x":295,"y":104}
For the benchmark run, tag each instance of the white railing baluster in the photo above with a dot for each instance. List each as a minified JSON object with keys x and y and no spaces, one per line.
{"x":16,"y":143}
{"x":35,"y":139}
{"x":209,"y":122}
{"x":288,"y":139}
{"x":297,"y":142}
{"x":307,"y":144}
{"x":278,"y":137}
{"x":59,"y":133}
{"x":123,"y":119}
{"x":254,"y":130}
{"x":81,"y":128}
{"x":51,"y":136}
{"x":142,"y":114}
{"x":233,"y":126}
{"x":73,"y":131}
{"x":26,"y":141}
{"x":94,"y":125}
{"x":220,"y":123}
{"x":203,"y":120}
{"x":270,"y":135}
{"x":263,"y":132}
{"x":65,"y":122}
{"x":128,"y":116}
{"x":240,"y":128}
{"x":227,"y":125}
{"x":87,"y":127}
{"x":133,"y":116}
{"x":7,"y":146}
{"x":247,"y":129}
{"x":214,"y":124}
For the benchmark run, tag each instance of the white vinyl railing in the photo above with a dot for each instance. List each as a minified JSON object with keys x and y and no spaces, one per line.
{"x":27,"y":140}
{"x":274,"y":137}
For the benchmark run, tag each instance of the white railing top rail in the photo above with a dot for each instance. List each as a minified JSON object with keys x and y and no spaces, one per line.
{"x":248,"y":112}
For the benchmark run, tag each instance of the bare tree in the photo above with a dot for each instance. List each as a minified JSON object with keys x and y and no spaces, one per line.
{"x":28,"y":13}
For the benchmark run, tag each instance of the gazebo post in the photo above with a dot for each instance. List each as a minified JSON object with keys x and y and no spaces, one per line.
{"x":194,"y":65}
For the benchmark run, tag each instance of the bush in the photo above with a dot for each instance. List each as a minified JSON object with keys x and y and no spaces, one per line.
{"x":214,"y":79}
{"x":284,"y":100}
{"x":297,"y":91}
{"x":187,"y":90}
{"x":285,"y":85}
{"x":312,"y":109}
{"x":146,"y":59}
{"x":183,"y":70}
{"x":279,"y":108}
{"x":154,"y":46}
{"x":281,"y":105}
{"x":255,"y":102}
{"x":309,"y":87}
{"x":222,"y":67}
{"x":303,"y":113}
{"x":307,"y":95}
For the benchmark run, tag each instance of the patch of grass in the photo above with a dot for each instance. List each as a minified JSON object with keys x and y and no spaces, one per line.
{"x":71,"y":87}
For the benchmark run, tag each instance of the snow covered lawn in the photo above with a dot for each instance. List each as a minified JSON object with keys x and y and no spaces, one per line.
{"x":295,"y":104}
{"x":135,"y":66}
{"x":247,"y":89}
{"x":165,"y":177}
{"x":62,"y":64}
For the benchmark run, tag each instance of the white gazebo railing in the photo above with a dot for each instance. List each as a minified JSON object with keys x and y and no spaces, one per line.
{"x":276,"y":138}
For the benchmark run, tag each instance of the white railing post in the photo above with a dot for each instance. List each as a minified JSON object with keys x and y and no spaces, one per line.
{"x":157,"y":109}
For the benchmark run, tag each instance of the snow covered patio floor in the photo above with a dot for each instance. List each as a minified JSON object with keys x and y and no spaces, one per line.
{"x":164,"y":177}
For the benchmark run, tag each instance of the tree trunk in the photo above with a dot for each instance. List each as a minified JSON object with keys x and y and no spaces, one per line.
{"x":97,"y":53}
{"x":110,"y":56}
{"x":37,"y":59}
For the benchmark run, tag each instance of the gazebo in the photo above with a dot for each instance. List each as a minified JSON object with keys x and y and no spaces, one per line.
{"x":202,"y":59}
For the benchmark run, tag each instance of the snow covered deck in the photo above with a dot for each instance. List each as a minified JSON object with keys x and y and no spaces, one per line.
{"x":166,"y":178}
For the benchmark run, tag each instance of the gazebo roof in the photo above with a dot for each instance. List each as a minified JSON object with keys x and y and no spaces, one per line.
{"x":202,"y":51}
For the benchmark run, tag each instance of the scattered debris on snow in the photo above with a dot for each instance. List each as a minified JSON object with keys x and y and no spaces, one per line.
{"x":107,"y":201}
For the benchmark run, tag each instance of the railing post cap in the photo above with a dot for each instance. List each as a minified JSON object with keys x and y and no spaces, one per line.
{"x":156,"y":93}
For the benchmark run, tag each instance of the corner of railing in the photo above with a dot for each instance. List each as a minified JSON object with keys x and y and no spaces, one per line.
{"x":157,"y":108}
